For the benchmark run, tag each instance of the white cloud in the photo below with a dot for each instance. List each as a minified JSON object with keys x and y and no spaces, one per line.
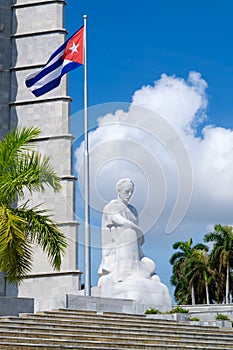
{"x":148,"y":143}
{"x":212,"y":158}
{"x":181,"y":102}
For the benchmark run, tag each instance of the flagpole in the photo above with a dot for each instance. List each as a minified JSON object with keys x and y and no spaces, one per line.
{"x":87,"y":255}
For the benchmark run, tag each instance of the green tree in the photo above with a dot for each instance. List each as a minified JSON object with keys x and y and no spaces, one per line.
{"x":200,"y":273}
{"x":22,"y":169}
{"x":222,"y":253}
{"x":181,"y":261}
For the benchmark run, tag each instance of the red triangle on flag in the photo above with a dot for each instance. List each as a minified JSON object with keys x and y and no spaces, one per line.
{"x":74,"y":50}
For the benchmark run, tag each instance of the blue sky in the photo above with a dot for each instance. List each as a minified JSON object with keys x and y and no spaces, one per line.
{"x":130,"y":46}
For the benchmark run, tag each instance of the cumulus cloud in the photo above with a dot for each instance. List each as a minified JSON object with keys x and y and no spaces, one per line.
{"x":155,"y":142}
{"x":213,"y":168}
{"x":182,"y":103}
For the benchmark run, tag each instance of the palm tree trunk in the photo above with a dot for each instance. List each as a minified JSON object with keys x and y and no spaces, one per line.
{"x":207,"y":292}
{"x":193,"y":294}
{"x":227,"y":282}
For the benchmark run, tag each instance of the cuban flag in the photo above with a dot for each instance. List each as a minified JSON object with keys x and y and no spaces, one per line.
{"x":67,"y":57}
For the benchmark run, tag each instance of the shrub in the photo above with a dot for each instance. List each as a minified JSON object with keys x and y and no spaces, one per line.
{"x":178,"y":310}
{"x":221,"y":317}
{"x":194,"y":318}
{"x":152,"y":311}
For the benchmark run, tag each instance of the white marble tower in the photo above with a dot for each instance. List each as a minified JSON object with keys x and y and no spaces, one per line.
{"x":30,"y":30}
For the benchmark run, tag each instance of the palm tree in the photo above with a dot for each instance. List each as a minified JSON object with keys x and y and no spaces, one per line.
{"x":199,"y":270}
{"x":181,"y":263}
{"x":181,"y":292}
{"x":222,"y":253}
{"x":22,"y":168}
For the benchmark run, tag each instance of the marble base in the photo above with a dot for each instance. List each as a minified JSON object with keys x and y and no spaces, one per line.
{"x":146,"y":291}
{"x":103,"y":304}
{"x":49,"y":290}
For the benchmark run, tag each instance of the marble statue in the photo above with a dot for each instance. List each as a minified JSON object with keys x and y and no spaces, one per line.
{"x":124,"y":271}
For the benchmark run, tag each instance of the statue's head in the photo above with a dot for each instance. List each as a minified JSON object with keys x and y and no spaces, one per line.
{"x":125,"y":188}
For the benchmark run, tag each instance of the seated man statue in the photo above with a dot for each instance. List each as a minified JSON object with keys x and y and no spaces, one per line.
{"x":122,"y":238}
{"x":124,"y":270}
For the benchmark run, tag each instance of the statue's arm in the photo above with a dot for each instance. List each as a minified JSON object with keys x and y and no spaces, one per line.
{"x":141,"y":238}
{"x":119,"y":220}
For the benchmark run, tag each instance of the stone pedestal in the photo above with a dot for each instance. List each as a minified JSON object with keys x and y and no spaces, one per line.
{"x":49,"y":290}
{"x":146,"y":291}
{"x":108,"y":304}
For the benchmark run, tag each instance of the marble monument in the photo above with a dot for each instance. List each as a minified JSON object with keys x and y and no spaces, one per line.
{"x":125,"y":272}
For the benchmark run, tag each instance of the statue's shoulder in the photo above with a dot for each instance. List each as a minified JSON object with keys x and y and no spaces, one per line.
{"x":113,"y":205}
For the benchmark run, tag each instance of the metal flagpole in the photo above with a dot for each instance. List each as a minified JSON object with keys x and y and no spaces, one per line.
{"x":87,"y":270}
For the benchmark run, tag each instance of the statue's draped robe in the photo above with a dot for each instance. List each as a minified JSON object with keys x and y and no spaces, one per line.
{"x":121,"y":244}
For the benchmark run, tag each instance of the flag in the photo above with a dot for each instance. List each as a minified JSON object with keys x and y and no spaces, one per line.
{"x":67,"y":57}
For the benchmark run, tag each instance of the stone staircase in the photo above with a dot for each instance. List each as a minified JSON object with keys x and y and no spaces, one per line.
{"x":76,"y":329}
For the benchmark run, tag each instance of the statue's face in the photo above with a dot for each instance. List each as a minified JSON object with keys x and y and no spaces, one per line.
{"x":126,"y":191}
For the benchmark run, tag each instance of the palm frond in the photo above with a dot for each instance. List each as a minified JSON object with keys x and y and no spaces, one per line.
{"x":15,"y":251}
{"x":42,"y":230}
{"x":201,"y":246}
{"x":32,"y":172}
{"x":15,"y":142}
{"x":22,"y":169}
{"x":176,"y":256}
{"x":210,"y":237}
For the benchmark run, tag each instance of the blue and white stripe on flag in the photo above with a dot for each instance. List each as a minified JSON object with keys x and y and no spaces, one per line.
{"x":66,"y":58}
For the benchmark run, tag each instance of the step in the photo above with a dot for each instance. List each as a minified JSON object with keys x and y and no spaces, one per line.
{"x":61,"y":318}
{"x":71,"y":329}
{"x":123,"y":337}
{"x":102,"y":332}
{"x":114,"y":343}
{"x":26,"y":346}
{"x":106,"y":314}
{"x":121,"y":323}
{"x":139,"y":318}
{"x":83,"y":325}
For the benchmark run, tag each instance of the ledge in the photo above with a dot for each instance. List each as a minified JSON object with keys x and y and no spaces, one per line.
{"x":42,"y":32}
{"x":42,"y":100}
{"x":26,"y":67}
{"x":55,"y":273}
{"x":68,"y":177}
{"x":219,"y":324}
{"x":54,"y":137}
{"x":74,"y":223}
{"x":178,"y":317}
{"x":37,"y":3}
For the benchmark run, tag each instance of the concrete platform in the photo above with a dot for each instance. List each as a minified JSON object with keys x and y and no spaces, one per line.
{"x":15,"y":306}
{"x":80,"y":302}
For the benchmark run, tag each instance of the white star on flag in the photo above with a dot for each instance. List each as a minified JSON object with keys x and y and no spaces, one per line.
{"x":74,"y":48}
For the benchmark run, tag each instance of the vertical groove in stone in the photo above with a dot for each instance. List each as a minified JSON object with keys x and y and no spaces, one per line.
{"x":5,"y":64}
